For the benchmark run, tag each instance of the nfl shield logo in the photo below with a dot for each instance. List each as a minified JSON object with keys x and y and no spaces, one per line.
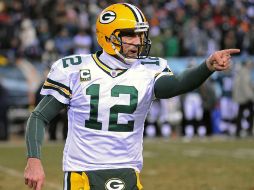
{"x":113,"y":73}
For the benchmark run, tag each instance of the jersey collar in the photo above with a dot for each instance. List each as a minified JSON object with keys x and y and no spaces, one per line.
{"x":109,"y":64}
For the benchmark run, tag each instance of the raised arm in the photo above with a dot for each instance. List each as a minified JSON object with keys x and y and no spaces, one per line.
{"x":168,"y":86}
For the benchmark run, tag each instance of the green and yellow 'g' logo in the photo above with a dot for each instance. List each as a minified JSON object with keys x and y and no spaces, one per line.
{"x":115,"y":184}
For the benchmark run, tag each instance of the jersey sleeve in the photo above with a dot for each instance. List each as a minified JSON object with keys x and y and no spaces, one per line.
{"x":57,"y":83}
{"x":168,"y":86}
{"x":165,"y":70}
{"x":157,"y":68}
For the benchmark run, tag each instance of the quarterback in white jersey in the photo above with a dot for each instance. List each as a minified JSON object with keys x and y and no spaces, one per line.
{"x":108,"y":95}
{"x":106,"y":111}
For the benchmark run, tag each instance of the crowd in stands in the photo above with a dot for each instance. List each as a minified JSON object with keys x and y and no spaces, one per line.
{"x":51,"y":28}
{"x":45,"y":30}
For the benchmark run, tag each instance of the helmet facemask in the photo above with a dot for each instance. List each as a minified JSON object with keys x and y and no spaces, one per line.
{"x":143,"y":48}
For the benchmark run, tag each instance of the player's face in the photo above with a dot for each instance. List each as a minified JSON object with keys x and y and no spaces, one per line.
{"x":130,"y":44}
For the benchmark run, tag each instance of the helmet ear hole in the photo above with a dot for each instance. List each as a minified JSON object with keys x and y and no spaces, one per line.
{"x":115,"y":40}
{"x":107,"y":39}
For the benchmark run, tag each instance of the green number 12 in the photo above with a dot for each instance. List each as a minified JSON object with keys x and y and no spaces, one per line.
{"x":93,"y":122}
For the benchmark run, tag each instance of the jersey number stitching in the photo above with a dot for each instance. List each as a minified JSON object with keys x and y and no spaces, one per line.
{"x":93,"y":122}
{"x":71,"y":60}
{"x":151,"y":61}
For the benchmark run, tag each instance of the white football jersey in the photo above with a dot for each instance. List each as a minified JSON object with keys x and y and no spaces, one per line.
{"x":107,"y":109}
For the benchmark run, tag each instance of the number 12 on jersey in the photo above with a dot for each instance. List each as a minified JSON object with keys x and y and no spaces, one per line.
{"x":94,"y":92}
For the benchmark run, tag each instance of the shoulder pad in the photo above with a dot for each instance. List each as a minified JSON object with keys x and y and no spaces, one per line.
{"x":67,"y":63}
{"x":155,"y":63}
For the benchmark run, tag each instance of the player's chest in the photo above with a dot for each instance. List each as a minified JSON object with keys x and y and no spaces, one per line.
{"x":130,"y":85}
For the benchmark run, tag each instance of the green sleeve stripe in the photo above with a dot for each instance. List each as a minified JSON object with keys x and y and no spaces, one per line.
{"x":35,"y":136}
{"x":60,"y":88}
{"x":29,"y":148}
{"x":59,"y":84}
{"x":63,"y":93}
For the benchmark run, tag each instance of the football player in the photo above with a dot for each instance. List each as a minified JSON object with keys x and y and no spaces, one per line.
{"x":108,"y":95}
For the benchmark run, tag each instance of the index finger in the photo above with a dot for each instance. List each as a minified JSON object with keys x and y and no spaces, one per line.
{"x":231,"y":51}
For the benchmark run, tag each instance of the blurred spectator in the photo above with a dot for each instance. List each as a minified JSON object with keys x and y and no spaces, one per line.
{"x":228,"y":107}
{"x":157,"y":123}
{"x":28,"y":38}
{"x":83,"y":15}
{"x":249,"y":40}
{"x":33,"y":78}
{"x":152,"y":127}
{"x":59,"y":15}
{"x":195,"y":39}
{"x":209,"y":101}
{"x":4,"y":131}
{"x":50,"y":55}
{"x":14,"y":49}
{"x":192,"y":109}
{"x":171,"y":44}
{"x":64,"y":43}
{"x":192,"y":115}
{"x":6,"y":26}
{"x":43,"y":32}
{"x":214,"y":36}
{"x":229,"y":40}
{"x":82,"y":42}
{"x":157,"y":47}
{"x":243,"y":94}
{"x":71,"y":19}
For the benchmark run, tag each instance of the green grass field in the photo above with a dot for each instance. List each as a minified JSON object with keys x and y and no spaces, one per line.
{"x":210,"y":164}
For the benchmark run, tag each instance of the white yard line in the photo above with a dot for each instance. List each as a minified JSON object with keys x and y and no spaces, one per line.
{"x":18,"y":174}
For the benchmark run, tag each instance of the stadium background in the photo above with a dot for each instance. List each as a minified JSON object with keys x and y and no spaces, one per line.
{"x":35,"y":33}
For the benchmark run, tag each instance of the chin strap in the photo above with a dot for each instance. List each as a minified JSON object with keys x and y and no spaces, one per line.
{"x":128,"y":61}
